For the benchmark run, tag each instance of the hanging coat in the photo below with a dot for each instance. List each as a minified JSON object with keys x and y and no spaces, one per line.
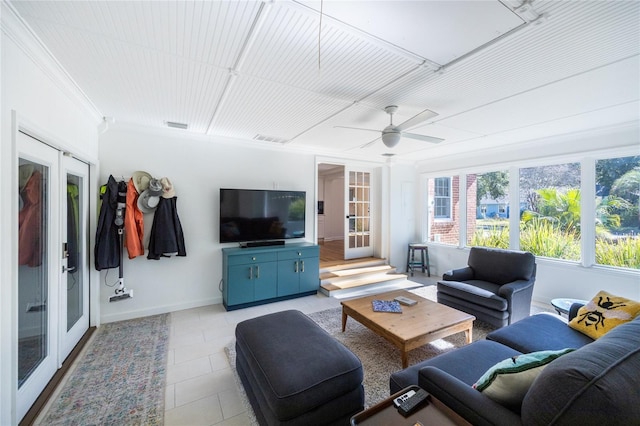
{"x":133,"y":223}
{"x":166,"y":236}
{"x":107,"y":248}
{"x":30,"y":250}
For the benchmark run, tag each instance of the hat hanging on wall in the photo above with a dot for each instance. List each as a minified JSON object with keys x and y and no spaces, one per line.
{"x":141,"y":181}
{"x":168,"y":191}
{"x":148,"y":200}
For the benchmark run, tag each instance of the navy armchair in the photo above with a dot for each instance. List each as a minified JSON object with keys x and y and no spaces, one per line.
{"x":496,"y":286}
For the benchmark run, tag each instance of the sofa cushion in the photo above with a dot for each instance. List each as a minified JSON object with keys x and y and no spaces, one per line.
{"x":456,"y":363}
{"x":501,"y":266}
{"x":595,"y":385}
{"x":539,"y":332}
{"x":508,"y":381}
{"x":604,"y":312}
{"x":476,"y":292}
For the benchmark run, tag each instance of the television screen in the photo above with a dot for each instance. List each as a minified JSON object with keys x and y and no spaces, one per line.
{"x":261,"y":215}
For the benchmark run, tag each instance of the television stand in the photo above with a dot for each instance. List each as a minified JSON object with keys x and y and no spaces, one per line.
{"x":258,"y":275}
{"x":262,"y":243}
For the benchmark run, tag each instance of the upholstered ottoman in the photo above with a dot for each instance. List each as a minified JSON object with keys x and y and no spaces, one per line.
{"x":295,"y":373}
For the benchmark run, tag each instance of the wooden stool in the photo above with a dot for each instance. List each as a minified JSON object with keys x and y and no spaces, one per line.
{"x":423,"y":263}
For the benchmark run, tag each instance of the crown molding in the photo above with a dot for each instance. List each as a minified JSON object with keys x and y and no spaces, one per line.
{"x":17,"y":30}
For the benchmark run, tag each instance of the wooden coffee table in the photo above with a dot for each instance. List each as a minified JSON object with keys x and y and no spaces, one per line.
{"x":416,"y":326}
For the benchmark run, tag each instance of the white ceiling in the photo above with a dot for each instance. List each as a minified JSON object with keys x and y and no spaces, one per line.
{"x":496,"y":72}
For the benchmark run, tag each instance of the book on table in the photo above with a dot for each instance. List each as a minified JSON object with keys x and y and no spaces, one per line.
{"x":386,"y":306}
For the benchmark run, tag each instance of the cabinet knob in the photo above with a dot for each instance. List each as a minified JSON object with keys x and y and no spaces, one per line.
{"x":253,"y":258}
{"x":299,"y":254}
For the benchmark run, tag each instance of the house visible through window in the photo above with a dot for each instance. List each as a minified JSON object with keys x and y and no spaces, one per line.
{"x":442,"y":198}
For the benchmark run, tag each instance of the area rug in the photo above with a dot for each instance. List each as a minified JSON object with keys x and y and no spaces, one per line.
{"x":120,"y":379}
{"x":379,"y":357}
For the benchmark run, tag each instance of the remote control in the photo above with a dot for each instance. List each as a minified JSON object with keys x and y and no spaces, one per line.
{"x":405,"y":301}
{"x":402,"y":398}
{"x":413,"y":403}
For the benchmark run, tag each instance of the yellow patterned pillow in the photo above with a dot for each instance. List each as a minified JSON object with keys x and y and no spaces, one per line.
{"x":604,"y":312}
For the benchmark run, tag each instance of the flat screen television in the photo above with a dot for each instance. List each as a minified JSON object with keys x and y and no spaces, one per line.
{"x":253,"y":215}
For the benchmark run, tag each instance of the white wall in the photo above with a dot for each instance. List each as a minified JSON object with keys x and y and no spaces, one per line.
{"x":197,"y":167}
{"x":404,"y":200}
{"x":44,"y":102}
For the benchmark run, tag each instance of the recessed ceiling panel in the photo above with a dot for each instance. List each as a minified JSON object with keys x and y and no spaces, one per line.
{"x":440,"y":31}
{"x":291,"y":50}
{"x":257,"y":107}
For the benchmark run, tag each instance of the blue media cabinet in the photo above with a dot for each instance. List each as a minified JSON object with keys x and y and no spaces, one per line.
{"x":259,"y":275}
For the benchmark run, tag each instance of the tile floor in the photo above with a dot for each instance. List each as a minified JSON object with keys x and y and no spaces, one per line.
{"x":201,"y":389}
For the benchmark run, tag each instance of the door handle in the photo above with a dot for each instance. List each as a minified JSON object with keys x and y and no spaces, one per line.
{"x":302,"y":266}
{"x":257,"y":272}
{"x":250,"y":272}
{"x":65,"y":269}
{"x":295,"y":269}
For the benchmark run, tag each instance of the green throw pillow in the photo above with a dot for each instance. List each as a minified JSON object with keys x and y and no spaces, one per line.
{"x":508,"y":381}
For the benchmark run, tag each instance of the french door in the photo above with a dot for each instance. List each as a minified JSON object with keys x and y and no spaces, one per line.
{"x":358,"y":240}
{"x":74,"y":279}
{"x":52,"y":300}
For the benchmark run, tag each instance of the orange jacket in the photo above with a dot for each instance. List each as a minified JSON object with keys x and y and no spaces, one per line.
{"x":133,"y":223}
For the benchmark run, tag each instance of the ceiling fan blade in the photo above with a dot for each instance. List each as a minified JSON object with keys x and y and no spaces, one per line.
{"x":356,"y":128}
{"x":422,"y":137}
{"x":417,"y":119}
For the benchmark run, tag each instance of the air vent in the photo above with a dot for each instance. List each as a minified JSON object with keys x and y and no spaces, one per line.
{"x":183,"y":126}
{"x":388,"y":154}
{"x":273,"y":139}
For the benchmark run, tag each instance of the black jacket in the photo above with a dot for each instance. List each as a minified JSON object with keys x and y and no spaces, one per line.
{"x":166,"y":236}
{"x":107,"y":248}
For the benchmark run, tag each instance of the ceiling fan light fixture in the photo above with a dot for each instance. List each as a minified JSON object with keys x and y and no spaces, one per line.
{"x":391,"y":139}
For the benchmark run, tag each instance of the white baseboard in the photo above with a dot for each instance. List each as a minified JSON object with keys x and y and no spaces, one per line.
{"x":156,"y":310}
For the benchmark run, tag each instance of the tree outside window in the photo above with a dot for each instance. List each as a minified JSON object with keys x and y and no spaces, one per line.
{"x":550,"y":213}
{"x":617,"y":240}
{"x":489,"y":208}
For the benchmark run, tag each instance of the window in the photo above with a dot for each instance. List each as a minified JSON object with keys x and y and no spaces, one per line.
{"x":443,"y":196}
{"x":488,"y":224}
{"x":617,"y":241}
{"x":550,"y":211}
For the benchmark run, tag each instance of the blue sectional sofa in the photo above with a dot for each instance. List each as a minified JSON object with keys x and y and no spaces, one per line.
{"x":596,"y":384}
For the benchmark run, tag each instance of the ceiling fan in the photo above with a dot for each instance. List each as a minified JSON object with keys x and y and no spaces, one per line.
{"x":391,"y":134}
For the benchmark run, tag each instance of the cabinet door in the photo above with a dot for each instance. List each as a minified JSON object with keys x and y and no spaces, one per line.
{"x":265,"y":276}
{"x":309,"y":274}
{"x":241,"y":284}
{"x":288,"y":277}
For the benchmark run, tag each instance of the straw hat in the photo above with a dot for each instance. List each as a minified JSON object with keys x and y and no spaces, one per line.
{"x":141,"y":181}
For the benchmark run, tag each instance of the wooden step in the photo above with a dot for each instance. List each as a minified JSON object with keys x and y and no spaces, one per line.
{"x":375,"y":287}
{"x":346,"y":273}
{"x":352,"y":264}
{"x":369,"y":279}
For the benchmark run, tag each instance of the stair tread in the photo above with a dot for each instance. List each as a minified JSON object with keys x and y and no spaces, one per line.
{"x":353,"y":264}
{"x":363,"y":281}
{"x":355,"y":271}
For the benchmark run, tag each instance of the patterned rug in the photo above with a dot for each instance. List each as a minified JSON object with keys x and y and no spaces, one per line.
{"x":120,"y":380}
{"x":379,"y":357}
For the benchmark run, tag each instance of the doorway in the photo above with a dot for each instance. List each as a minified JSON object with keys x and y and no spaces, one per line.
{"x":52,"y":264}
{"x":344,"y":226}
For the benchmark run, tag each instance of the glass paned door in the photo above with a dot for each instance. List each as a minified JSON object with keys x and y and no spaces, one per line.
{"x":358,"y":242}
{"x":74,"y":294}
{"x":37,"y":308}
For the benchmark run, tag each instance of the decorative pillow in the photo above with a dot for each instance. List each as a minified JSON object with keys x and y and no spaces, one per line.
{"x":508,"y":381}
{"x":604,"y":312}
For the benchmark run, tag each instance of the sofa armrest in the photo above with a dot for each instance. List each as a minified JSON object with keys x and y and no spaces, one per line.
{"x":508,"y":290}
{"x":460,"y":274}
{"x":472,"y":405}
{"x":573,"y":310}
